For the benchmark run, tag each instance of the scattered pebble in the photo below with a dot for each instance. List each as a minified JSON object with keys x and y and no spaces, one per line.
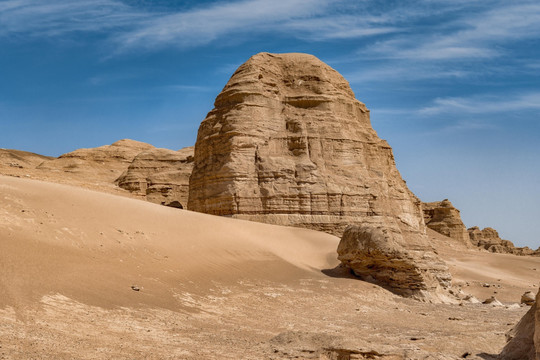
{"x":135,"y":288}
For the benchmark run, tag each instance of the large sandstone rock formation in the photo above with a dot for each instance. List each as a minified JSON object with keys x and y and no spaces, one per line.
{"x":408,"y":267}
{"x":524,"y":338}
{"x":288,"y":143}
{"x":489,"y":239}
{"x":444,"y":218}
{"x":160,"y":175}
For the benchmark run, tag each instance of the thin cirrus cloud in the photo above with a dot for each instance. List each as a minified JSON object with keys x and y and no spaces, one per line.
{"x":34,"y":18}
{"x":474,"y":34}
{"x":482,"y":104}
{"x":129,"y":27}
{"x":203,"y":25}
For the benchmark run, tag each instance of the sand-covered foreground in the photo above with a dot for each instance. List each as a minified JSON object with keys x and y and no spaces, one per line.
{"x":218,"y":288}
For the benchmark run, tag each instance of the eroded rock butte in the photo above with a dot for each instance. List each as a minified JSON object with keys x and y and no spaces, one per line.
{"x":288,"y":143}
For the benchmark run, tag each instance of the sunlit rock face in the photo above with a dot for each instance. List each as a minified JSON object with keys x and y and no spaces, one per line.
{"x":288,"y":143}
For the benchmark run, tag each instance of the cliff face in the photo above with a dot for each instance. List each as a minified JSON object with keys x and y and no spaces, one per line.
{"x":444,"y":218}
{"x":160,"y":175}
{"x":288,"y":143}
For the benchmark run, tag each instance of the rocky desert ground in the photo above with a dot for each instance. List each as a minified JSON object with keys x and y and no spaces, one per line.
{"x":253,"y":256}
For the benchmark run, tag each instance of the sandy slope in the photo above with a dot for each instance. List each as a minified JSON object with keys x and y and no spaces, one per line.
{"x":216,"y":288}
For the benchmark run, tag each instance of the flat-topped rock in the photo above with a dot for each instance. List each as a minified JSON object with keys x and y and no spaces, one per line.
{"x":288,"y":143}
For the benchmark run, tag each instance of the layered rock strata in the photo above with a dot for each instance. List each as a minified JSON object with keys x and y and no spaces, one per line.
{"x":524,"y":339}
{"x":407,"y":267}
{"x":489,"y":239}
{"x":104,"y":163}
{"x":444,"y":218}
{"x":160,"y":175}
{"x":288,"y":143}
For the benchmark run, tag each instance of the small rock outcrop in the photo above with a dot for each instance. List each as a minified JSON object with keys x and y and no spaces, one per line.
{"x":489,"y":239}
{"x":524,"y":339}
{"x":288,"y":143}
{"x":444,"y":218}
{"x":528,"y":298}
{"x":160,"y":175}
{"x":408,"y":268}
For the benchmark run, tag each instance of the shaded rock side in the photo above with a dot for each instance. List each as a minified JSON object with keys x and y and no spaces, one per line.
{"x":406,"y":268}
{"x":102,"y":164}
{"x":288,"y":143}
{"x":524,"y":339}
{"x":444,"y":218}
{"x":160,"y":175}
{"x":489,"y":239}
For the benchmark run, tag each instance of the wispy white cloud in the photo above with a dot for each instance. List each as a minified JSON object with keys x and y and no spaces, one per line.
{"x":129,"y":27}
{"x":36,"y":18}
{"x":205,"y":24}
{"x":474,"y":34}
{"x":411,"y":72}
{"x":482,"y":104}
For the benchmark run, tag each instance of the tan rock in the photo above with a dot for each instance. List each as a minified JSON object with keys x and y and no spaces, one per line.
{"x":528,"y":298}
{"x":444,"y":218}
{"x":288,"y":143}
{"x":408,"y":268}
{"x":11,"y":160}
{"x":160,"y":175}
{"x":523,"y":341}
{"x":104,"y":163}
{"x":489,"y":239}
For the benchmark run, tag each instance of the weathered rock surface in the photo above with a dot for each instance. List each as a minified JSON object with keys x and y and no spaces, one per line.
{"x":489,"y":239}
{"x":407,"y":267}
{"x":288,"y":143}
{"x":524,"y":338}
{"x":16,"y":159}
{"x":444,"y":218}
{"x":104,"y":163}
{"x":528,"y":298}
{"x":160,"y":175}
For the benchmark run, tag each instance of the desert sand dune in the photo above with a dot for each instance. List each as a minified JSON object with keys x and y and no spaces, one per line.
{"x":91,"y":275}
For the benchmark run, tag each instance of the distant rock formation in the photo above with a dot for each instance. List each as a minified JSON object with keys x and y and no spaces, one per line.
{"x":160,"y":175}
{"x":407,"y":267}
{"x":444,"y":218}
{"x":16,"y":159}
{"x":489,"y":239}
{"x":101,"y":163}
{"x":288,"y":143}
{"x":524,"y":338}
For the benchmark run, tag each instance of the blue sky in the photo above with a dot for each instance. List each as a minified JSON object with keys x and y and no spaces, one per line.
{"x":454,"y":86}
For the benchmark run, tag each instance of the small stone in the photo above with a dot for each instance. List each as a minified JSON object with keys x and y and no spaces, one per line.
{"x":492,"y":301}
{"x":528,"y":298}
{"x":135,"y":288}
{"x":486,"y":285}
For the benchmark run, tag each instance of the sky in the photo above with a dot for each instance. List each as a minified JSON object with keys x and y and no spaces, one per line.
{"x":454,"y":86}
